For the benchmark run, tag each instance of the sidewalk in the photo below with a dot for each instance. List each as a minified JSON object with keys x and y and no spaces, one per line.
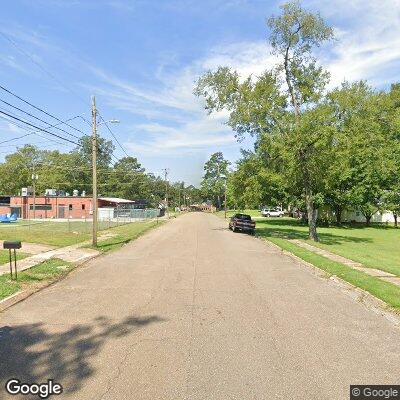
{"x":33,"y":248}
{"x":73,"y":254}
{"x":375,"y":272}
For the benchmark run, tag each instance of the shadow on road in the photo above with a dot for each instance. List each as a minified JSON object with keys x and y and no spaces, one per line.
{"x":33,"y":354}
{"x":326,"y":238}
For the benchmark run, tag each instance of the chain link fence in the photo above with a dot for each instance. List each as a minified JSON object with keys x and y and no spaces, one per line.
{"x":78,"y":219}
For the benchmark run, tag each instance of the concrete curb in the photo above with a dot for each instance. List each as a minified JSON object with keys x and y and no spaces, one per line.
{"x":361,"y":296}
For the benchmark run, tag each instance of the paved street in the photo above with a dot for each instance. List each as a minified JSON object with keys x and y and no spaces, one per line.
{"x":193,"y":311}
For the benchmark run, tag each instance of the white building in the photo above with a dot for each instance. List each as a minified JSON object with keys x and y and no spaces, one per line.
{"x":379,"y":216}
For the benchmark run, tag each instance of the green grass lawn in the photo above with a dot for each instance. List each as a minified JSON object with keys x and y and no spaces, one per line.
{"x":51,"y":233}
{"x":385,"y":291}
{"x":126,"y":233}
{"x":57,"y":234}
{"x":374,"y":246}
{"x":46,"y":272}
{"x":4,"y":257}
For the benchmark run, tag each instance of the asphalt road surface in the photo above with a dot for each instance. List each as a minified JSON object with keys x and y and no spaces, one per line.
{"x":194,"y":311}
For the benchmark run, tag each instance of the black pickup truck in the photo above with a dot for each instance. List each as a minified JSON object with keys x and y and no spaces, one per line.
{"x":242,"y":222}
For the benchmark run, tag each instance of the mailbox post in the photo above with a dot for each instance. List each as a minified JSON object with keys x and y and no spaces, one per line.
{"x":12,"y":245}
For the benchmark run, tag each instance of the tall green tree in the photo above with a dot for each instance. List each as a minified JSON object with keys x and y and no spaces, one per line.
{"x":16,"y":171}
{"x":214,"y":179}
{"x":128,"y":179}
{"x":82,"y":157}
{"x":283,"y":114}
{"x":391,"y":121}
{"x":253,"y":184}
{"x":294,"y":35}
{"x":360,"y":173}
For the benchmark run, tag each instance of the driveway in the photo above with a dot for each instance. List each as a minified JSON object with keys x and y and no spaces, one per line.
{"x":194,"y":311}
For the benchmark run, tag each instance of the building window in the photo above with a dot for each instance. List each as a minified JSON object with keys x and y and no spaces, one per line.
{"x":41,"y":207}
{"x":70,"y":207}
{"x":83,"y":206}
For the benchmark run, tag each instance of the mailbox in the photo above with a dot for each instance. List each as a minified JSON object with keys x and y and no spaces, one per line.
{"x":12,"y":244}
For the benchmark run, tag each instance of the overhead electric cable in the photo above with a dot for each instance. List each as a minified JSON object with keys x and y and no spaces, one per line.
{"x":39,"y":119}
{"x":40,"y":109}
{"x":37,"y":133}
{"x":37,"y":127}
{"x":20,"y":49}
{"x":112,"y":133}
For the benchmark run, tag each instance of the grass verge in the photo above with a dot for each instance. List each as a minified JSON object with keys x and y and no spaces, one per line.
{"x":40,"y":274}
{"x":125,"y":233}
{"x":57,"y":234}
{"x":374,"y":246}
{"x":4,"y":256}
{"x":385,"y":291}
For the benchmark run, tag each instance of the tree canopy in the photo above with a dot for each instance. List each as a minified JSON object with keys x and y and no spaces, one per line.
{"x":315,"y":148}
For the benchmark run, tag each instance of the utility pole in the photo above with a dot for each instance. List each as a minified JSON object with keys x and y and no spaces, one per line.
{"x":166,"y":190}
{"x":94,"y":170}
{"x":181,"y":188}
{"x":35,"y":177}
{"x":225,"y":199}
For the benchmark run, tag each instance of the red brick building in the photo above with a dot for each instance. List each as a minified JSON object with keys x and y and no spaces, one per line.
{"x":55,"y":206}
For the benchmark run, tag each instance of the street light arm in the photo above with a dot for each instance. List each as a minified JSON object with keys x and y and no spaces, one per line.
{"x":111,"y":121}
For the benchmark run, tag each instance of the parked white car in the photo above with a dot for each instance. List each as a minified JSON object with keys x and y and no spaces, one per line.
{"x":272,"y":212}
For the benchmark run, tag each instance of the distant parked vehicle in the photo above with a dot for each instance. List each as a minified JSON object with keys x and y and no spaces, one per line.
{"x":242,"y":222}
{"x":272,"y":212}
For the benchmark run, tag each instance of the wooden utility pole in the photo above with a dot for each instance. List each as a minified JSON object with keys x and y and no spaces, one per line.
{"x":94,"y":170}
{"x":166,"y":190}
{"x":34,"y":179}
{"x":225,"y":199}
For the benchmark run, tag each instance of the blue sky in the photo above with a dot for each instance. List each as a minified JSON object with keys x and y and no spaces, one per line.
{"x":141,"y":58}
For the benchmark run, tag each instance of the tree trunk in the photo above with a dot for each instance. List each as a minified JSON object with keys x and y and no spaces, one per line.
{"x":219,"y":202}
{"x":368,"y":219}
{"x":312,"y":219}
{"x":395,"y":220}
{"x":338,"y":214}
{"x":290,"y":87}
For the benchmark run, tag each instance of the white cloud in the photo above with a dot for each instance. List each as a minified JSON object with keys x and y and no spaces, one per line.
{"x":187,"y":138}
{"x":185,"y":126}
{"x":368,"y":34}
{"x":11,"y":62}
{"x":368,"y":40}
{"x":247,"y":58}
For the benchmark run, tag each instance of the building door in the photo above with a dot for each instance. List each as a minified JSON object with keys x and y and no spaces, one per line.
{"x":16,"y":211}
{"x":61,"y":212}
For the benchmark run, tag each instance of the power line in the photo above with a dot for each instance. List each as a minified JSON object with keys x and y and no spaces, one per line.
{"x":41,"y":110}
{"x":37,"y":127}
{"x":41,"y":67}
{"x":84,"y":119}
{"x":19,"y":137}
{"x":59,"y":82}
{"x":28,"y":130}
{"x":112,"y":133}
{"x":39,"y":119}
{"x":54,"y":117}
{"x":37,"y":133}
